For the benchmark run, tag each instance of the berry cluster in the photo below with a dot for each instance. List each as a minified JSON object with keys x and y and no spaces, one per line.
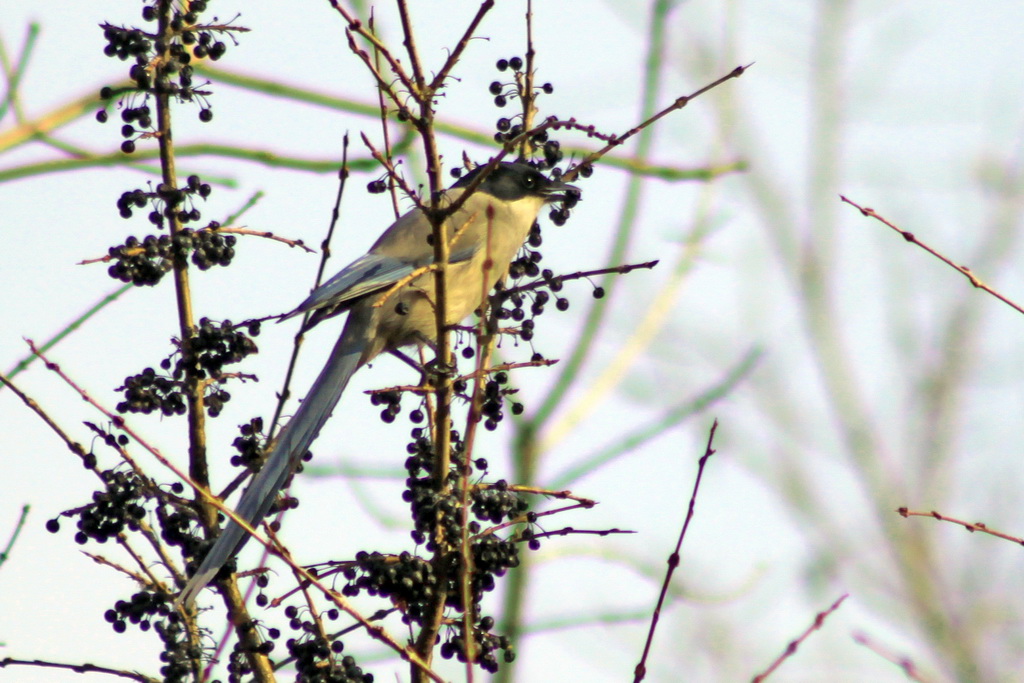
{"x":313,"y":663}
{"x":249,"y":445}
{"x":139,"y":610}
{"x":510,"y":128}
{"x":559,"y":213}
{"x":392,"y":402}
{"x":525,"y":265}
{"x":485,"y":643}
{"x":496,"y":503}
{"x":144,"y":263}
{"x":429,"y":507}
{"x":504,"y":92}
{"x":406,"y":579}
{"x":142,"y":116}
{"x":163,"y":65}
{"x":528,"y":258}
{"x":168,"y":202}
{"x":176,"y":530}
{"x":147,"y":392}
{"x":212,"y":347}
{"x":210,"y":248}
{"x":111,"y":510}
{"x":492,"y":556}
{"x":215,"y":345}
{"x":133,"y":263}
{"x":493,"y":402}
{"x":179,"y":656}
{"x":148,"y":609}
{"x":126,"y":42}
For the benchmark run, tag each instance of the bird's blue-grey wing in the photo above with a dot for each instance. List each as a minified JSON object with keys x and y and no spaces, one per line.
{"x":369,"y":273}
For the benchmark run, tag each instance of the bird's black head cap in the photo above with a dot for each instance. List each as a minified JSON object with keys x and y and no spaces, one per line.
{"x":510,"y":181}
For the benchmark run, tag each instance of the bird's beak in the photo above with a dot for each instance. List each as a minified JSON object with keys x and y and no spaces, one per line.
{"x":557,"y":191}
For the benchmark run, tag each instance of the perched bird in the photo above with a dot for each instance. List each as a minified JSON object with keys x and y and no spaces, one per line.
{"x":485,"y":233}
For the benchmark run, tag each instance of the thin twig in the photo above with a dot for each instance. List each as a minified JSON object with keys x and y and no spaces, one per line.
{"x":673,"y":560}
{"x":675,"y":106}
{"x":79,"y":669}
{"x":532,"y":517}
{"x":963,"y":270}
{"x":394,"y":177}
{"x":970,"y":526}
{"x":104,"y":562}
{"x":460,"y":47}
{"x":419,"y":389}
{"x":325,"y":255}
{"x":385,"y":129}
{"x":793,"y":645}
{"x":355,"y":27}
{"x":409,"y":41}
{"x":75,"y":447}
{"x":536,"y":490}
{"x":567,"y":531}
{"x":541,"y":283}
{"x":238,"y":231}
{"x":314,"y":613}
{"x":902,"y":661}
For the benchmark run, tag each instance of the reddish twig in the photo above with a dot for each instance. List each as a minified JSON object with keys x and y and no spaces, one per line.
{"x":570,"y":530}
{"x":975,"y":281}
{"x":78,"y":669}
{"x":536,"y":490}
{"x":902,"y":661}
{"x":675,"y":106}
{"x":532,"y":517}
{"x":970,"y":526}
{"x":621,"y":270}
{"x":376,"y":632}
{"x":237,"y":231}
{"x":456,"y":53}
{"x":673,"y":559}
{"x":792,"y":647}
{"x":465,"y":378}
{"x":75,"y":447}
{"x":104,"y":562}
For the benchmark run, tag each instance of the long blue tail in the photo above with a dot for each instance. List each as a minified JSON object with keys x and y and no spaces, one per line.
{"x":293,"y":442}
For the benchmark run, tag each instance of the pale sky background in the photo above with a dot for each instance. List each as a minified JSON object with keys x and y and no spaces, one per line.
{"x":931,"y":97}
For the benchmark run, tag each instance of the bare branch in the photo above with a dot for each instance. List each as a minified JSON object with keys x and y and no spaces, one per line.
{"x":902,"y":661}
{"x":963,"y":270}
{"x":792,"y":647}
{"x":970,"y":526}
{"x":673,"y":560}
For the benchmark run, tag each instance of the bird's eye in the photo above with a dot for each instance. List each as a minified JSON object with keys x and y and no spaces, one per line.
{"x":529,"y":181}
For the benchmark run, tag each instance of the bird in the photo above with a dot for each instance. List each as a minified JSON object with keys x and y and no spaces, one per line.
{"x":485,"y":234}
